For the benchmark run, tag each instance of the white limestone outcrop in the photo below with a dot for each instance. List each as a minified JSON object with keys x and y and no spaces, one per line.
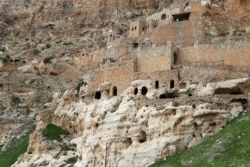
{"x":118,"y":131}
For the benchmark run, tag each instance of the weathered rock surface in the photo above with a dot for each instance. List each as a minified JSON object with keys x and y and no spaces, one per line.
{"x":45,"y":47}
{"x":133,"y":130}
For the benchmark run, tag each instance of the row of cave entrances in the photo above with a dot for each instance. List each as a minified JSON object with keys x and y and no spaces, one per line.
{"x":98,"y":94}
{"x":144,"y":90}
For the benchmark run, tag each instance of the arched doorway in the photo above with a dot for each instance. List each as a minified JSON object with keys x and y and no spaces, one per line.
{"x":163,"y":16}
{"x":135,"y":91}
{"x":144,"y":90}
{"x":98,"y":95}
{"x":114,"y":91}
{"x":171,"y":84}
{"x":156,"y":84}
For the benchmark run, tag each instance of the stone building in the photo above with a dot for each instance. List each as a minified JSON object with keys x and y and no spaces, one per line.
{"x":159,"y":46}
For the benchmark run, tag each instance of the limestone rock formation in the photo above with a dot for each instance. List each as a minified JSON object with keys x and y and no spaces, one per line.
{"x":135,"y":130}
{"x":133,"y":81}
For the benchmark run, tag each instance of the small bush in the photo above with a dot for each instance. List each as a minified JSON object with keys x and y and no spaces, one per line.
{"x":48,"y":45}
{"x":67,"y":43}
{"x":53,"y":132}
{"x":71,"y":160}
{"x":175,"y":104}
{"x":15,"y":99}
{"x":47,"y":60}
{"x":8,"y":21}
{"x":58,"y":41}
{"x":2,"y":49}
{"x":36,"y":52}
{"x":41,"y":8}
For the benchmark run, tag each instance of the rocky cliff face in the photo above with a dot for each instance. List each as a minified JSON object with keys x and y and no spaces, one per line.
{"x":43,"y":50}
{"x":133,"y":130}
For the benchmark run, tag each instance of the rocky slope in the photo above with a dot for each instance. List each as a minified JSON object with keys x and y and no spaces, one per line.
{"x":42,"y":49}
{"x":132,"y":130}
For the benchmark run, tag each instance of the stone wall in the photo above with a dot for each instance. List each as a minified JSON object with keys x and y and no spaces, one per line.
{"x":162,"y":77}
{"x":119,"y":74}
{"x":154,"y":59}
{"x":86,"y":62}
{"x":234,"y":53}
{"x":183,"y":32}
{"x":96,"y":78}
{"x":136,"y":28}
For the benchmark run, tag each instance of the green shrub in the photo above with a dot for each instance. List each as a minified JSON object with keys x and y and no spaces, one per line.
{"x":2,"y":49}
{"x":48,"y":45}
{"x":67,"y":43}
{"x":72,"y":160}
{"x":36,"y":52}
{"x":53,"y":132}
{"x":8,"y":21}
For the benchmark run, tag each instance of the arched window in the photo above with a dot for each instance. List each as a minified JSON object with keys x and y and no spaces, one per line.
{"x":135,"y":45}
{"x":163,"y":17}
{"x":135,"y":91}
{"x":171,"y":84}
{"x":142,"y":137}
{"x":156,"y":84}
{"x":114,"y":91}
{"x":144,"y":90}
{"x":98,"y":95}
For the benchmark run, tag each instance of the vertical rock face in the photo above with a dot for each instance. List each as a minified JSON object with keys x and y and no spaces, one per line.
{"x":133,"y":130}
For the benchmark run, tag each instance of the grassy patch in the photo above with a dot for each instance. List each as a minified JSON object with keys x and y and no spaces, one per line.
{"x":229,"y":147}
{"x":8,"y":157}
{"x":53,"y":132}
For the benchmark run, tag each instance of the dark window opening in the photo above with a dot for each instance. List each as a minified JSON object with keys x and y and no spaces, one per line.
{"x":232,"y":91}
{"x":171,"y":84}
{"x":181,"y":17}
{"x":168,"y":95}
{"x":163,"y":96}
{"x":156,"y":84}
{"x":135,"y":91}
{"x":98,"y":95}
{"x":244,"y":102}
{"x":128,"y":142}
{"x":212,"y":124}
{"x":135,"y":45}
{"x":163,"y":17}
{"x":142,"y":137}
{"x":144,"y":90}
{"x":175,"y":58}
{"x":115,"y":91}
